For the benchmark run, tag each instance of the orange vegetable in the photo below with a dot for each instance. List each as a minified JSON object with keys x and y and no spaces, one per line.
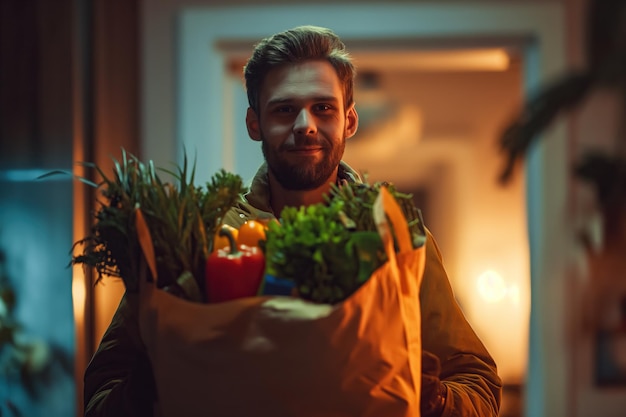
{"x":251,"y":232}
{"x":220,"y":241}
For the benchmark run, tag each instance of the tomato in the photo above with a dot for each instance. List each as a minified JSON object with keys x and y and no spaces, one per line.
{"x":221,"y":242}
{"x":251,"y":232}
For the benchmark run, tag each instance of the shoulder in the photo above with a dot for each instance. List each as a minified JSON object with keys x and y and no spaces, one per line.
{"x":243,"y":211}
{"x":347,"y":173}
{"x":238,"y":214}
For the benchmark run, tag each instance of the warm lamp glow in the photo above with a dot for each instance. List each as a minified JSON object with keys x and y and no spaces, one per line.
{"x":497,"y":304}
{"x":491,"y":286}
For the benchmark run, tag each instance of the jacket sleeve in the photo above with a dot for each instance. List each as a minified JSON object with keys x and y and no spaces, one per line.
{"x":118,"y":379}
{"x":467,"y":369}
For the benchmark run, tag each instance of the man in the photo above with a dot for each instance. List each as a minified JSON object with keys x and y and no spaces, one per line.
{"x":300,"y":90}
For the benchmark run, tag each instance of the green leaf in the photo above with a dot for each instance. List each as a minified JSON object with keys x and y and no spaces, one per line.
{"x":329,"y":250}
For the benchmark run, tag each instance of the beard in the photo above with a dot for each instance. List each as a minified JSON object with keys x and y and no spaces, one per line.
{"x":303,"y":177}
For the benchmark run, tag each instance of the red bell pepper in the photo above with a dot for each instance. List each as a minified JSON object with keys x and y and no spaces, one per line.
{"x":233,"y":272}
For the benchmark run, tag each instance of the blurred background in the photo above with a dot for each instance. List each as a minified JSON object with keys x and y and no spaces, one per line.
{"x":438,"y":82}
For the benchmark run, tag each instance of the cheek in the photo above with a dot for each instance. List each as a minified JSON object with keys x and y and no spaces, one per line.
{"x":335,"y":130}
{"x":276,"y":132}
{"x":277,"y":129}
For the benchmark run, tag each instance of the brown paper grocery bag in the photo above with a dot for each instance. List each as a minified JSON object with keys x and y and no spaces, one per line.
{"x":283,"y":356}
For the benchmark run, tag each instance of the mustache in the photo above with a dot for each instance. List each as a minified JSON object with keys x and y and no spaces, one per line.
{"x":303,"y":144}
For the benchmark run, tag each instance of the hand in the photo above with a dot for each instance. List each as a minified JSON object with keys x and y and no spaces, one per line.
{"x":433,"y":398}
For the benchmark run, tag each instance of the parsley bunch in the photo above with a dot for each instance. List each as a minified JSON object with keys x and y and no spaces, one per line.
{"x":329,"y":250}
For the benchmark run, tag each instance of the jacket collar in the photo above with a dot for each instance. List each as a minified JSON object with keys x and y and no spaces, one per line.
{"x":259,"y":194}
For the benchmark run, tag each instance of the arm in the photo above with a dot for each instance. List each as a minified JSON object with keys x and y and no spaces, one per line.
{"x":119,"y":380}
{"x":467,"y":369}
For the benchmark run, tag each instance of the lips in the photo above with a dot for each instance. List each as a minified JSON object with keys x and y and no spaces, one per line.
{"x":309,"y":152}
{"x":307,"y":144}
{"x":306,"y":150}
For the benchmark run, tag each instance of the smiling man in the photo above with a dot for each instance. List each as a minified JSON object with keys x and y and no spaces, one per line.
{"x":300,"y":90}
{"x":303,"y":120}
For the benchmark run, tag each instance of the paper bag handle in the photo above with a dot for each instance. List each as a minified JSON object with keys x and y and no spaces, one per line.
{"x":145,"y":241}
{"x":385,"y":210}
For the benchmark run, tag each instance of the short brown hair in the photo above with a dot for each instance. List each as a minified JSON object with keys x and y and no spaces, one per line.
{"x":294,"y":45}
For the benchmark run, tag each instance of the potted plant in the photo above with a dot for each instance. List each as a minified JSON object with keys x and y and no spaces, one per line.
{"x":604,"y":234}
{"x":604,"y":170}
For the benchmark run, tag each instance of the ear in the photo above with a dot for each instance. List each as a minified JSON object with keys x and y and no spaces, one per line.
{"x":352,"y":121}
{"x":252,"y":123}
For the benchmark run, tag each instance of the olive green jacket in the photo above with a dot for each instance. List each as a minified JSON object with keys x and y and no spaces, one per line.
{"x":118,"y":380}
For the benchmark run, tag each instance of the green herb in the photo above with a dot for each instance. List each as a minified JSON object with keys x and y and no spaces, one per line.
{"x":312,"y":247}
{"x":329,"y":250}
{"x":182,"y":218}
{"x":359,"y":200}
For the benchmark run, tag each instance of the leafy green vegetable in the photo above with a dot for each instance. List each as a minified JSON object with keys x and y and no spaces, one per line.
{"x":182,"y":219}
{"x":329,"y":250}
{"x":314,"y":248}
{"x":359,"y":201}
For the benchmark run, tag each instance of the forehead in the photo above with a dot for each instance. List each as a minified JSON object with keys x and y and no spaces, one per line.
{"x":307,"y":80}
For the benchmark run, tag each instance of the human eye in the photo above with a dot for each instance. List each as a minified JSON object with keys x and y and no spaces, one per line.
{"x":324,"y":108}
{"x":283,"y":109}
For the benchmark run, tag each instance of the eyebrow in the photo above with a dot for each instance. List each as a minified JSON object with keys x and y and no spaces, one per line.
{"x":278,"y":100}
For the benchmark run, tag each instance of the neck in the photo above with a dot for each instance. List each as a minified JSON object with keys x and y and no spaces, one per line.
{"x":281,"y":197}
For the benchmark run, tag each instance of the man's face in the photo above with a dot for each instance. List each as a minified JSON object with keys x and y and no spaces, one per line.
{"x":302,"y":123}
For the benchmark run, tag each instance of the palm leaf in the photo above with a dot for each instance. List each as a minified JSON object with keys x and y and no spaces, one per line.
{"x":539,"y":113}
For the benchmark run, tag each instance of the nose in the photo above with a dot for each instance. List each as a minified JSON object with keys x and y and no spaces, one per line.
{"x":304,"y":123}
